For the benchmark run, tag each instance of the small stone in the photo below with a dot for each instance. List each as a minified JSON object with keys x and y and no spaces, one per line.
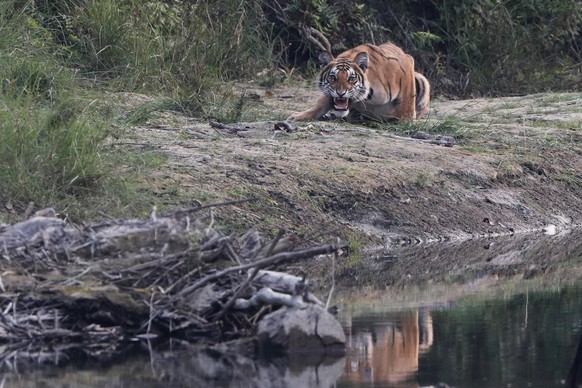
{"x":284,"y":126}
{"x":550,"y":230}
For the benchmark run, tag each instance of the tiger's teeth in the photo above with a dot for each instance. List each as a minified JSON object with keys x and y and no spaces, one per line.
{"x":340,"y":103}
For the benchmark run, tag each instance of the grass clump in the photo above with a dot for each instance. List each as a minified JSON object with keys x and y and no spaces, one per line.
{"x":50,"y":140}
{"x":52,"y":151}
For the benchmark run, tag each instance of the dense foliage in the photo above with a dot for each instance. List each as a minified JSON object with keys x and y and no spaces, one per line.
{"x":183,"y":47}
{"x":180,"y":48}
{"x":464,"y":47}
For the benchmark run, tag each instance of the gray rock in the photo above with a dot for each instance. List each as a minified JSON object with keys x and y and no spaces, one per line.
{"x":309,"y":330}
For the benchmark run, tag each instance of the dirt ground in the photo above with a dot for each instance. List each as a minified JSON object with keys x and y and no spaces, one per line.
{"x":515,"y":167}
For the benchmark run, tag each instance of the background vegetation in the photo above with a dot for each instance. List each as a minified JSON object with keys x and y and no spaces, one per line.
{"x":64,"y":62}
{"x":464,"y":47}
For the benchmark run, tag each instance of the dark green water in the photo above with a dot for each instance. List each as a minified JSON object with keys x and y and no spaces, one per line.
{"x":526,"y":340}
{"x":523,"y":340}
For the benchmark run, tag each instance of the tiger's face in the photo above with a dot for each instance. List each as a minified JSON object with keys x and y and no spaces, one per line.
{"x":344,"y":80}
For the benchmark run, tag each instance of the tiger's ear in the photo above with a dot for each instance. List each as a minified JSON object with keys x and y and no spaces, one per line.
{"x":362,"y":60}
{"x":324,"y":58}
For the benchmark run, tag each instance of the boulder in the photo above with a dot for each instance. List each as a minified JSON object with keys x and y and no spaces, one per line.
{"x":309,"y":330}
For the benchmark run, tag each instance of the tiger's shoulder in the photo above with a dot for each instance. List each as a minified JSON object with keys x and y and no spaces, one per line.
{"x":387,"y":56}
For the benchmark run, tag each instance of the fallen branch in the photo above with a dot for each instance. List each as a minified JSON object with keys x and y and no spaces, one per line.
{"x":266,"y":296}
{"x":275,"y":259}
{"x":422,"y":137}
{"x":285,"y":283}
{"x":230,"y":129}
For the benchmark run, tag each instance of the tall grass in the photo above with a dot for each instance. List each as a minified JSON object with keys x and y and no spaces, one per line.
{"x":47,"y":153}
{"x":59,"y":58}
{"x":512,"y":47}
{"x":184,"y":50}
{"x":50,"y":140}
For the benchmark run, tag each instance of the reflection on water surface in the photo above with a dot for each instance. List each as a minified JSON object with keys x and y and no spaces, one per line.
{"x":526,"y":340}
{"x":387,"y":351}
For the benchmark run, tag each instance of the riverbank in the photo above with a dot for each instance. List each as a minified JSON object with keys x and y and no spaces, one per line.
{"x":514,"y":167}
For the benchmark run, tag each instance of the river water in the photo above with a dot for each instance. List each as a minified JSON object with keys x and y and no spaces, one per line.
{"x":523,"y":340}
{"x":523,"y":334}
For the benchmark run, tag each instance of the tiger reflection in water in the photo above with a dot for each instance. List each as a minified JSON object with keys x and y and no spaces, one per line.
{"x":388,"y":353}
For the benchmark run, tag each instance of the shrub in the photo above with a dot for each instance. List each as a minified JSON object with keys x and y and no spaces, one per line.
{"x":512,"y":47}
{"x":182,"y":49}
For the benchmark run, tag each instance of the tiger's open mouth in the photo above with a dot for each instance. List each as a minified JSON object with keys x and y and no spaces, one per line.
{"x":340,"y":103}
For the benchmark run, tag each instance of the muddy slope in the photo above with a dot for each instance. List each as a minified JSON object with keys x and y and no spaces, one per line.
{"x":516,"y":166}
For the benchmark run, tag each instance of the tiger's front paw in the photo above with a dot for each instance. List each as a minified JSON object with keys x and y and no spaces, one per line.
{"x":293,"y":117}
{"x":299,"y":116}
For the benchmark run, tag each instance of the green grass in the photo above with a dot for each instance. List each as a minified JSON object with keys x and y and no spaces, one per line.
{"x":51,"y":137}
{"x":144,"y":112}
{"x":546,"y":100}
{"x":51,"y":148}
{"x":63,"y":68}
{"x":450,"y":125}
{"x":571,"y":124}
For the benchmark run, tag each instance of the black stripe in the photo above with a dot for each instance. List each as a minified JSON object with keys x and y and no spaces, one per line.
{"x":419,"y":86}
{"x":378,"y":51}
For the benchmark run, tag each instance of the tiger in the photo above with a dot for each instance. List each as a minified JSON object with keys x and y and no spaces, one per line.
{"x":378,"y":82}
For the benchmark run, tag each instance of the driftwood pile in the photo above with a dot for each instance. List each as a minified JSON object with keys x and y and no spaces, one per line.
{"x":172,"y":276}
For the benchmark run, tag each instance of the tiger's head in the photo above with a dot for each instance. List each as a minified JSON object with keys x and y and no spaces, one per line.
{"x":343,"y":80}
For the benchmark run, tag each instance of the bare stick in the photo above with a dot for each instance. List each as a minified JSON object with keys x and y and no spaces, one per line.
{"x":239,"y":291}
{"x":228,"y":128}
{"x":210,"y":205}
{"x":279,"y":257}
{"x":151,"y":306}
{"x":270,"y":297}
{"x":285,"y":283}
{"x":446,"y":141}
{"x":319,"y":41}
{"x":332,"y":281}
{"x":271,"y":246}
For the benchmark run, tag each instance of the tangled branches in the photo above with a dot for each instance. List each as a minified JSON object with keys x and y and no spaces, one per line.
{"x":169,"y":276}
